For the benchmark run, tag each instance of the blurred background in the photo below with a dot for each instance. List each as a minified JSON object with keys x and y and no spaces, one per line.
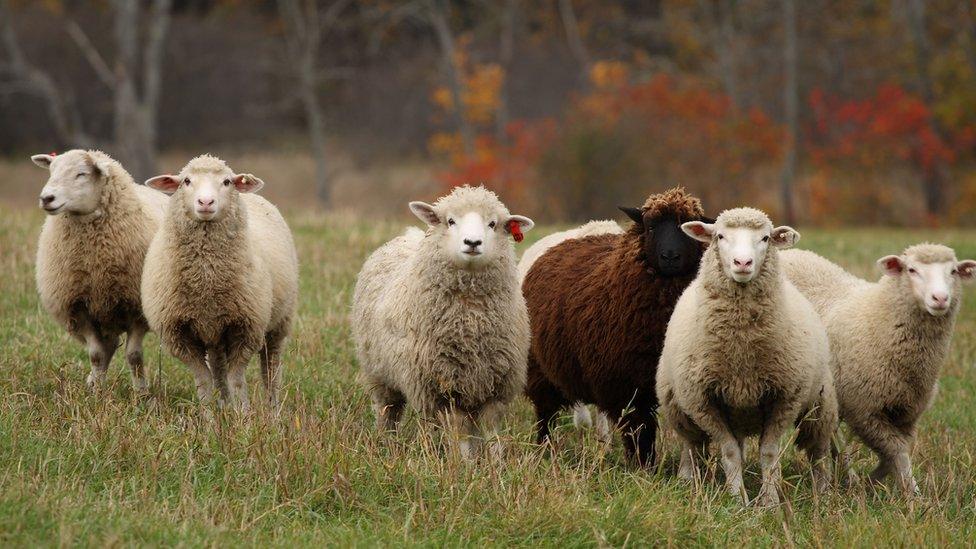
{"x":822,"y":112}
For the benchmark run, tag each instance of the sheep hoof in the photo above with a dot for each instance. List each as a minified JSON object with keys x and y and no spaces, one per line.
{"x":581,"y":417}
{"x":768,"y":497}
{"x":94,"y":381}
{"x":140,"y":386}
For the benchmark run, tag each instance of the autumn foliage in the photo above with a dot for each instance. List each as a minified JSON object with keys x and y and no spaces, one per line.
{"x":889,"y":139}
{"x":626,"y":137}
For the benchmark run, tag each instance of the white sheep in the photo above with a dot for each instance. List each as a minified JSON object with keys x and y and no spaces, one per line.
{"x":888,"y":341}
{"x":90,"y":255}
{"x":439,"y":320}
{"x":221,"y":279}
{"x":581,"y":413}
{"x":746,"y":354}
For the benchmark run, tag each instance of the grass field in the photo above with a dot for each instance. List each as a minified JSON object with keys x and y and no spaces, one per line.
{"x":110,"y":469}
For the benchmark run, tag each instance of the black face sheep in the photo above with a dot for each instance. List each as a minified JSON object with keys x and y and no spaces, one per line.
{"x":888,"y":340}
{"x":90,"y":254}
{"x":599,"y":307}
{"x":581,"y":413}
{"x":746,"y":354}
{"x":438,"y":318}
{"x":221,"y":279}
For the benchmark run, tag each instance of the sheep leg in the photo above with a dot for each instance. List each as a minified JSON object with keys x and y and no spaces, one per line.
{"x":602,"y":428}
{"x":709,"y":418}
{"x":232,"y":366}
{"x":196,"y":361}
{"x":100,"y":351}
{"x":271,"y":366}
{"x":815,"y":436}
{"x":692,"y":454}
{"x":582,"y":418}
{"x":639,"y":431}
{"x":388,"y":405}
{"x":779,"y":416}
{"x":465,"y":431}
{"x":133,"y":355}
{"x":546,"y":398}
{"x":893,"y":445}
{"x":490,"y":418}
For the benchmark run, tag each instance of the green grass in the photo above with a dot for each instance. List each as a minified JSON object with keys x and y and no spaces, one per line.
{"x":110,"y":469}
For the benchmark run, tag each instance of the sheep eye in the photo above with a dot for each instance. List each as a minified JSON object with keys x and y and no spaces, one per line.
{"x":766,"y":238}
{"x":450,"y":221}
{"x":226,"y":182}
{"x":186,"y":181}
{"x":82,"y":174}
{"x":912,"y":271}
{"x":721,"y":236}
{"x":491,"y":225}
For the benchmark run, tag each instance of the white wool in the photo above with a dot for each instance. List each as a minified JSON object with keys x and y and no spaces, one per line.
{"x":449,"y":340}
{"x":743,"y":359}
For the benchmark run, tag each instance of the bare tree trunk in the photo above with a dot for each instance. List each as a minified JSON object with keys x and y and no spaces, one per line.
{"x":136,"y":114}
{"x":934,"y":176}
{"x":506,"y":50}
{"x":575,"y":41}
{"x":58,"y":102}
{"x":790,"y":106}
{"x":439,"y":11}
{"x":305,"y":25}
{"x":728,"y":65}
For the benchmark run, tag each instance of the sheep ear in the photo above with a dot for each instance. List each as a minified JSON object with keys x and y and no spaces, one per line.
{"x":524,"y":223}
{"x":705,"y":219}
{"x":634,"y":214}
{"x":425,"y":212}
{"x":165,"y":183}
{"x":784,"y":237}
{"x":43,"y":160}
{"x":699,"y":230}
{"x":966,"y":269}
{"x":891,"y":265}
{"x":247,"y":183}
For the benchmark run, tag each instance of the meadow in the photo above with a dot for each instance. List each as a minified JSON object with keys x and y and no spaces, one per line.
{"x":114,"y":469}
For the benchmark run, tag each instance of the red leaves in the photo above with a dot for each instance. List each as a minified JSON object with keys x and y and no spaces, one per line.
{"x":892,"y":124}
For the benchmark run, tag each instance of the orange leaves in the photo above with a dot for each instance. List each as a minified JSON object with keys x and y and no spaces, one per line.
{"x":480,"y":90}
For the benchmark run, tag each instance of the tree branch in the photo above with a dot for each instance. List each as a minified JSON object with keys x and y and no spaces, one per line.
{"x":91,"y":54}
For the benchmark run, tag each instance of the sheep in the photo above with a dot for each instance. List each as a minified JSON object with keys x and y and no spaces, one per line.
{"x":888,"y":341}
{"x":90,"y":254}
{"x":438,"y":320}
{"x":599,"y":306}
{"x":581,"y":413}
{"x":746,"y":354}
{"x":221,"y":280}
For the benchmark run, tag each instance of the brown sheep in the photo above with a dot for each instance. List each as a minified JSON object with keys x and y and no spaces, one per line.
{"x":599,"y":307}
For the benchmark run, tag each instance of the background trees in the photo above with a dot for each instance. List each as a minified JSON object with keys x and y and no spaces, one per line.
{"x":843,"y":111}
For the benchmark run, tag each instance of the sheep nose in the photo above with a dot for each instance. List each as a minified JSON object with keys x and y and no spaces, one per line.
{"x":940,"y":298}
{"x":742,"y":262}
{"x":472,"y":243}
{"x":205,"y":201}
{"x":670,"y":256}
{"x":47,"y":199}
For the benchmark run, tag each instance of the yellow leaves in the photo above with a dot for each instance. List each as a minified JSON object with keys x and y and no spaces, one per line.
{"x":609,"y":74}
{"x":481,"y":87}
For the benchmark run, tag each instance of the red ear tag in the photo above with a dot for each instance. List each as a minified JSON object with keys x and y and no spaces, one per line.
{"x":516,"y":230}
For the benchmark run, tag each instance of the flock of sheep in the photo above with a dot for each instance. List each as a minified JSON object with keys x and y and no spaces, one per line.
{"x":710,"y":323}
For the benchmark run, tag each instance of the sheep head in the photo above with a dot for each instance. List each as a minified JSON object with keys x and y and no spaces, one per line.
{"x":743,"y":237}
{"x":931,"y":274}
{"x":206,"y":188}
{"x":665,"y":249}
{"x":472,"y":225}
{"x":75,"y":184}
